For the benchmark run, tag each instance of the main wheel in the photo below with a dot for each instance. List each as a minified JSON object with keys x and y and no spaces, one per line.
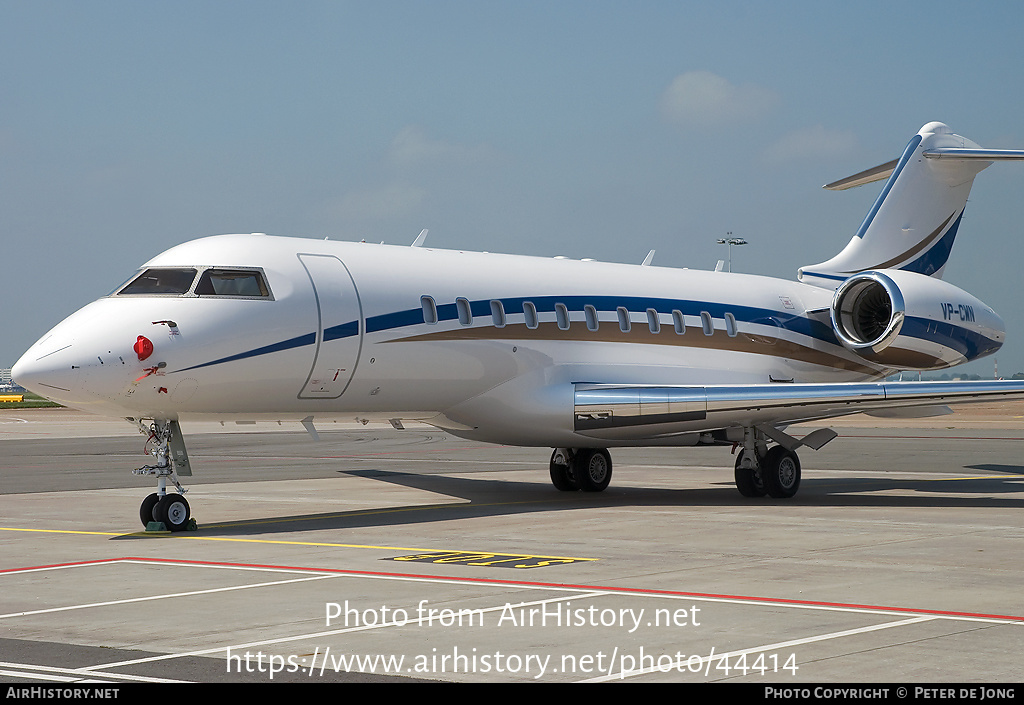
{"x":173,"y":511}
{"x":146,"y":510}
{"x":781,"y":472}
{"x":561,"y":475}
{"x":592,"y":468}
{"x":748,"y":480}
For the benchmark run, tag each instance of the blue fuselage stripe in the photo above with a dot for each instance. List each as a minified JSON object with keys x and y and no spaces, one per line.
{"x":966,"y":342}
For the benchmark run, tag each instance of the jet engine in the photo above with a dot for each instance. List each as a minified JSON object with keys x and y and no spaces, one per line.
{"x":910,"y":321}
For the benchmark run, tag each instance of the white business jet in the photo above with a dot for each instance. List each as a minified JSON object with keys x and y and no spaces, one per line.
{"x":578,"y":356}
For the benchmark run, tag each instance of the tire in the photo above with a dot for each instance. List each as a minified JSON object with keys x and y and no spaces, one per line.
{"x":173,"y":511}
{"x":146,"y":510}
{"x":781,"y":472}
{"x":748,"y":481}
{"x":592,"y":469}
{"x":561,"y":475}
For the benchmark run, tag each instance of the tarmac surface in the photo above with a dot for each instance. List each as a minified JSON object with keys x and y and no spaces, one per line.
{"x":383,"y":555}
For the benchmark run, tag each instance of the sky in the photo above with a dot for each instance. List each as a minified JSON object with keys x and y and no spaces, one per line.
{"x":585,"y":129}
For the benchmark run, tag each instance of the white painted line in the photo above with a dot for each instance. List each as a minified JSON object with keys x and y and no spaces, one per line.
{"x":165,"y":596}
{"x":574,"y":593}
{"x":317,"y":635}
{"x":78,"y":675}
{"x":768,"y":647}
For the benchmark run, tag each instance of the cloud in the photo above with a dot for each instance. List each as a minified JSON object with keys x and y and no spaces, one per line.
{"x":812,"y":143}
{"x":416,"y":171}
{"x":383,"y":203}
{"x":412,"y":148}
{"x":703,"y":98}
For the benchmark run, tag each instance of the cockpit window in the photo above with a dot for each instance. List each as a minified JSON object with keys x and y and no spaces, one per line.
{"x":161,"y":281}
{"x":232,"y":282}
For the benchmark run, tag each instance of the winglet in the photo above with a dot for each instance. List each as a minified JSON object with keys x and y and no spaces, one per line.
{"x":420,"y":238}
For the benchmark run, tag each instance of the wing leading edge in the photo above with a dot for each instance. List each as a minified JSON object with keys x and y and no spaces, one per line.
{"x":630,"y":412}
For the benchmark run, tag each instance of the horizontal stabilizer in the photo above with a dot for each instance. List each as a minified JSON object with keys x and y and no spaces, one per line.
{"x":984,"y":155}
{"x":877,"y":173}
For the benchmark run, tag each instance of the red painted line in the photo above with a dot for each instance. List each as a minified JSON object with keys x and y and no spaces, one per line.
{"x":528,"y":583}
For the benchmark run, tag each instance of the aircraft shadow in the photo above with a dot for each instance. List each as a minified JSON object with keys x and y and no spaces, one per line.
{"x":493,"y":497}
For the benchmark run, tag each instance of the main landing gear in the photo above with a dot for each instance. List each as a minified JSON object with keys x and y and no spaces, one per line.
{"x":764,"y":471}
{"x":759,"y":470}
{"x":587,"y":469}
{"x":167,"y":445}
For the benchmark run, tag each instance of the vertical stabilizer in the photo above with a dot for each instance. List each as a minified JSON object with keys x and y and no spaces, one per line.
{"x":915,"y":219}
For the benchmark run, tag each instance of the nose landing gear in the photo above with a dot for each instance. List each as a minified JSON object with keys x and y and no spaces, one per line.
{"x":171,"y":510}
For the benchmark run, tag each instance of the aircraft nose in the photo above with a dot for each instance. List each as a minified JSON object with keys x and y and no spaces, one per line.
{"x":48,"y":370}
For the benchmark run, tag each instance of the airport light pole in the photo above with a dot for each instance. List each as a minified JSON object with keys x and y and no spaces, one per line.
{"x":730,"y":241}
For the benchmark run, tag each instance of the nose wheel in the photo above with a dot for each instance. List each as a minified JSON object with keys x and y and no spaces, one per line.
{"x":162,"y":507}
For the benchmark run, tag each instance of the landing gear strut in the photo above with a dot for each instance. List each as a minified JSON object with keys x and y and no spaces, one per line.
{"x":587,"y":469}
{"x":168,"y":447}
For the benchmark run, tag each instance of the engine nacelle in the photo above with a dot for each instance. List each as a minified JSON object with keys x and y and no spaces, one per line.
{"x":911,"y":321}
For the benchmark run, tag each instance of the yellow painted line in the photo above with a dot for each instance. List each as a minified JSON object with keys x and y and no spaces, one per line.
{"x":319,"y":544}
{"x":60,"y":531}
{"x":980,"y":477}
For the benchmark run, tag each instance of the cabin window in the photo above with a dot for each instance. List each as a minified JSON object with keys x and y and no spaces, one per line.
{"x":530,"y":315}
{"x":161,"y":281}
{"x":591,"y":314}
{"x":429,"y":309}
{"x":707,"y":323}
{"x":562,"y":316}
{"x":232,"y":282}
{"x":730,"y":325}
{"x":465,"y":314}
{"x":623,"y":319}
{"x":679,"y":322}
{"x":497,"y":314}
{"x":653,"y":322}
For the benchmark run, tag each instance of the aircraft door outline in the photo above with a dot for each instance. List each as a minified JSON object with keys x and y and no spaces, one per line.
{"x":339,"y":334}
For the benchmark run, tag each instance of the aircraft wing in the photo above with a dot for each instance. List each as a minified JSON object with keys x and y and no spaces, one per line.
{"x":632,"y":412}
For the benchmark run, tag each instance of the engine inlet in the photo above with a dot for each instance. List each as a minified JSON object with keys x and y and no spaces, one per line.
{"x":867,"y":312}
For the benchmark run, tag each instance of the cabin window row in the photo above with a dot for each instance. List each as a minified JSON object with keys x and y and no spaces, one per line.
{"x":531,"y":318}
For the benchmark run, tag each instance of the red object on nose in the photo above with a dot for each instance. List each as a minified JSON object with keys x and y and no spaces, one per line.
{"x":143,"y":347}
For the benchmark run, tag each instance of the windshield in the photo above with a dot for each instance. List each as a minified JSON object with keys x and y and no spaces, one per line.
{"x":161,"y":281}
{"x":231,"y":282}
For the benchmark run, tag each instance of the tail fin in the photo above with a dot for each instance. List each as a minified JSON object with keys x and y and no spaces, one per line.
{"x":915,"y":219}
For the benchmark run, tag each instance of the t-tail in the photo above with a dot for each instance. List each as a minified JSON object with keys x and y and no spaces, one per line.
{"x":913,"y":223}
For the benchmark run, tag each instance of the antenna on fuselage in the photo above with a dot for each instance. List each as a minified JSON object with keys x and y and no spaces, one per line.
{"x":420,"y":238}
{"x":647,"y":259}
